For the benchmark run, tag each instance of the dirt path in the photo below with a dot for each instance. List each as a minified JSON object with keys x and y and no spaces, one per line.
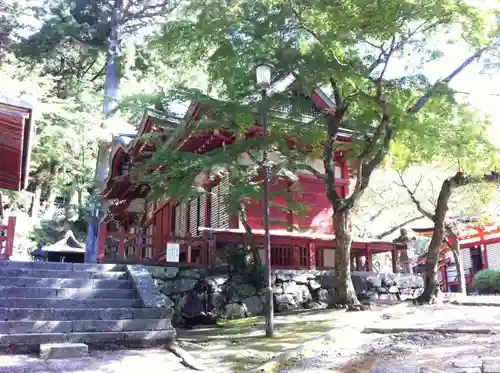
{"x":431,"y":352}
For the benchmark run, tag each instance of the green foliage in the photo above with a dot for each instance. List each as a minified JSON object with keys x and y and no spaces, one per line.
{"x":487,"y":281}
{"x":352,"y":45}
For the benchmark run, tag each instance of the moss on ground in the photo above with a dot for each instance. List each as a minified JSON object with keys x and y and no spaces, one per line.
{"x":244,"y":345}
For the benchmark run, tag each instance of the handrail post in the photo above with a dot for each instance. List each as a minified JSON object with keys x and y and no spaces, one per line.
{"x":101,"y":242}
{"x":11,"y":232}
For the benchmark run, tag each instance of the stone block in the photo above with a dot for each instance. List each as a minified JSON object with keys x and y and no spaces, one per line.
{"x":189,"y":273}
{"x":314,"y":285}
{"x":146,"y":324}
{"x":471,"y":362}
{"x":22,"y":302}
{"x":98,"y":326}
{"x":150,"y":313}
{"x":31,"y":339}
{"x":92,"y":303}
{"x":63,"y":350}
{"x":464,"y":370}
{"x":75,"y":314}
{"x":95,"y":293}
{"x":106,"y":275}
{"x":95,"y":337}
{"x":27,"y":314}
{"x":491,"y":367}
{"x":396,"y":370}
{"x":235,"y":311}
{"x":121,"y":313}
{"x":254,"y":305}
{"x":9,"y":327}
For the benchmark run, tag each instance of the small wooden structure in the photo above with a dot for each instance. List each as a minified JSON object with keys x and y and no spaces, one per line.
{"x":68,"y":249}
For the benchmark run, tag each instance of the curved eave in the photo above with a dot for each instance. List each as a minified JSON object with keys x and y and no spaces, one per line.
{"x":115,"y":188}
{"x":115,"y":158}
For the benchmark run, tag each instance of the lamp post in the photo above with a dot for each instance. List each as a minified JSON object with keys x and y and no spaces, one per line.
{"x":263,"y":74}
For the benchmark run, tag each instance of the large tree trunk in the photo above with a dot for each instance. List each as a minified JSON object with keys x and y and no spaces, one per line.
{"x":431,"y":282}
{"x":51,"y":193}
{"x":455,"y":249}
{"x":35,"y":203}
{"x":253,"y":249}
{"x":346,"y":294}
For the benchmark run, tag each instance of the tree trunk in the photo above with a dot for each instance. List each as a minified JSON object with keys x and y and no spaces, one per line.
{"x":455,"y":249}
{"x":431,"y":282}
{"x":254,"y":250}
{"x":35,"y":204}
{"x":345,"y":292}
{"x":51,"y":194}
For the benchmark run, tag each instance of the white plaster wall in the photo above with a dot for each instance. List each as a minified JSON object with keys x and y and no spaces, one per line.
{"x":329,"y":258}
{"x":493,"y":252}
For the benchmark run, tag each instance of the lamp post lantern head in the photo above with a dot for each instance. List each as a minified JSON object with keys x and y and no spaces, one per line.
{"x":263,"y":72}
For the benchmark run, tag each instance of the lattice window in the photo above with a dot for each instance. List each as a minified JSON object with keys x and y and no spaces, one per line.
{"x":214,"y":207}
{"x":177,"y":219}
{"x":203,"y":210}
{"x":281,"y":256}
{"x":223,"y":204}
{"x":183,"y":219}
{"x":219,"y":211}
{"x":194,"y":215}
{"x":304,"y":256}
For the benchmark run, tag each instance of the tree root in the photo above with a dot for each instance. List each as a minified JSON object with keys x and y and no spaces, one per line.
{"x":354,"y":307}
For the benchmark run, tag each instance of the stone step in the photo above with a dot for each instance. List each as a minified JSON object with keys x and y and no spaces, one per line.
{"x":58,"y":283}
{"x":61,"y":266}
{"x":78,"y":326}
{"x":68,"y":303}
{"x":70,"y":314}
{"x":24,"y":342}
{"x":51,"y":273}
{"x":29,"y":292}
{"x":63,"y":350}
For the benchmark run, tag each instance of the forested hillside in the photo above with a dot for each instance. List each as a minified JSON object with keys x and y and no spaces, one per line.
{"x":54,"y":54}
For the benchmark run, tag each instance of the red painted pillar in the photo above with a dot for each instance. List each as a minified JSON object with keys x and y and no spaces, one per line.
{"x":101,"y":241}
{"x":312,"y":255}
{"x":368,"y":259}
{"x":121,"y":247}
{"x":484,"y":255}
{"x":210,"y":249}
{"x":359,"y":263}
{"x":11,"y":232}
{"x":295,"y":256}
{"x":394,"y":257}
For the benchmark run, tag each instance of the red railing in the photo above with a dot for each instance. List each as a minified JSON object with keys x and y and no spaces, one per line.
{"x":288,"y":256}
{"x":7,"y":233}
{"x":119,"y":247}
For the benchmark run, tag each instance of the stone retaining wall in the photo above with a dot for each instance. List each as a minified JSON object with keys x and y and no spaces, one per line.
{"x":193,"y":291}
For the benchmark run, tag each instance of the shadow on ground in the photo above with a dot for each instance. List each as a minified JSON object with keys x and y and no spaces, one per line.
{"x":126,"y":361}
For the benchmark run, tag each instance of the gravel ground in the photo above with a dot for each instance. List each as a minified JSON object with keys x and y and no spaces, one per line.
{"x":129,"y":361}
{"x":431,"y":352}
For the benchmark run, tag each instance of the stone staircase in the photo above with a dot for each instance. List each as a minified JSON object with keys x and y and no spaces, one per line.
{"x":70,"y":303}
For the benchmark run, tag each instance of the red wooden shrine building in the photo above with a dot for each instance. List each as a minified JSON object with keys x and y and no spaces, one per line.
{"x":479,"y":249}
{"x":136,"y":229}
{"x":16,"y":128}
